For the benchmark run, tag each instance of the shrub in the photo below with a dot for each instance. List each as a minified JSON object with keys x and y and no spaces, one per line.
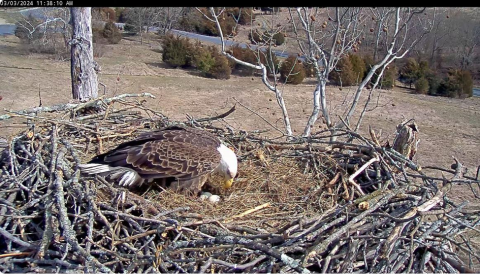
{"x":97,"y":36}
{"x":246,"y":17}
{"x":194,"y":21}
{"x":423,"y":68}
{"x":278,"y":38}
{"x":243,"y":54}
{"x":255,"y":37}
{"x":177,"y":51}
{"x":202,"y":58}
{"x":421,"y":86}
{"x":270,"y":61}
{"x":221,"y":68}
{"x":266,"y":37}
{"x":111,"y":33}
{"x":410,"y":72}
{"x":120,"y":14}
{"x":292,"y":71}
{"x":343,"y":74}
{"x":358,"y":67}
{"x":130,"y":28}
{"x":458,"y":83}
{"x":389,"y":76}
{"x":434,"y":81}
{"x":309,"y":68}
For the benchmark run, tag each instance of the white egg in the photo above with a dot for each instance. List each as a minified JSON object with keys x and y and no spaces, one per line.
{"x":214,"y":199}
{"x":205,"y":195}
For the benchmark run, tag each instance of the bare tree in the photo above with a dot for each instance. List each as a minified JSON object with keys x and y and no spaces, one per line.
{"x":324,"y":36}
{"x":45,"y":27}
{"x":440,"y":33}
{"x":137,"y":17}
{"x":408,"y":27}
{"x":167,"y":18}
{"x":324,"y":47}
{"x":272,"y":85}
{"x":466,"y":37}
{"x":83,"y":68}
{"x":396,"y":36}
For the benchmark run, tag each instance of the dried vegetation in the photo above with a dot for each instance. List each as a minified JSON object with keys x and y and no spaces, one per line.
{"x":306,"y":205}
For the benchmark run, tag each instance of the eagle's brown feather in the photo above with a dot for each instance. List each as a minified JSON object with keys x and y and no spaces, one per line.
{"x":183,"y":153}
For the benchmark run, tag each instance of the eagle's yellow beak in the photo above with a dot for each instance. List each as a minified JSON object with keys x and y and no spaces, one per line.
{"x":228,"y":183}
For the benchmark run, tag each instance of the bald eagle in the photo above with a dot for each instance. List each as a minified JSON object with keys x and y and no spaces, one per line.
{"x":181,"y":157}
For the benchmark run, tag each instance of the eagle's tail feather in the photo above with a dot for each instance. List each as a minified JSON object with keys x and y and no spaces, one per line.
{"x":95,"y":168}
{"x":124,"y":176}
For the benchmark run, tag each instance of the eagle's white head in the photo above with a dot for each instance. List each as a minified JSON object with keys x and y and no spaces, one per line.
{"x":228,"y":165}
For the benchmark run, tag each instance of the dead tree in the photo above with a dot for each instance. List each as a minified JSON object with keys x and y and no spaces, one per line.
{"x":271,"y":85}
{"x":325,"y":47}
{"x":83,"y":68}
{"x":43,"y":30}
{"x":409,"y":26}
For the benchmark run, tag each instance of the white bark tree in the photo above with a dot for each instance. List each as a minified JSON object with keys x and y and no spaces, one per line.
{"x":272,"y":85}
{"x":324,"y":46}
{"x":396,"y":33}
{"x":324,"y":36}
{"x":408,"y":27}
{"x":53,"y":21}
{"x":83,"y":67}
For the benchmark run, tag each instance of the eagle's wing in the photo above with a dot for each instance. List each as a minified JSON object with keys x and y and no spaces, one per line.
{"x":171,"y":152}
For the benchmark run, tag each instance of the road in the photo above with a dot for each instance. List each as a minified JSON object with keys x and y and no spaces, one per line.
{"x":476,"y":92}
{"x":217,"y":41}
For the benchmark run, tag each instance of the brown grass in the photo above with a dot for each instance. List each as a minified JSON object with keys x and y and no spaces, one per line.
{"x":282,"y":185}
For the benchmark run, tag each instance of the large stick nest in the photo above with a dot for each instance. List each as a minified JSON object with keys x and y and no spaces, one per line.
{"x":306,"y":205}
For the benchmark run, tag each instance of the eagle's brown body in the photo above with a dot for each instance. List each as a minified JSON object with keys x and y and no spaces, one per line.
{"x":182,"y":156}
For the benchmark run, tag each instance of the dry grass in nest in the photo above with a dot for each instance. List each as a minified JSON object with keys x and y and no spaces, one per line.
{"x":273,"y":192}
{"x":282,"y":185}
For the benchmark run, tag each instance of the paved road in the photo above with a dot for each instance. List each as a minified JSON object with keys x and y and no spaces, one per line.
{"x":476,"y":92}
{"x":217,"y":40}
{"x":7,"y":29}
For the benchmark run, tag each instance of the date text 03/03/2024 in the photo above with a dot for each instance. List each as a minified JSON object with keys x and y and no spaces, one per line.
{"x":35,"y":3}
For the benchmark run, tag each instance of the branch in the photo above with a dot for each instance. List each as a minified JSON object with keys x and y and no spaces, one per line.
{"x":93,"y":103}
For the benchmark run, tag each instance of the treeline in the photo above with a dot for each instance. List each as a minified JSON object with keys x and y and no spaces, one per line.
{"x":350,"y":70}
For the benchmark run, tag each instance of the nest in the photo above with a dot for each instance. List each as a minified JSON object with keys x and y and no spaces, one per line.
{"x":303,"y":205}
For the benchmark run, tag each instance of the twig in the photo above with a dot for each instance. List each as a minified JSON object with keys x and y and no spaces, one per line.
{"x":247,"y":212}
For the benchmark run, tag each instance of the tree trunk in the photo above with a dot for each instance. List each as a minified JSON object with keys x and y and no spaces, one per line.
{"x":319,"y":103}
{"x":83,"y":67}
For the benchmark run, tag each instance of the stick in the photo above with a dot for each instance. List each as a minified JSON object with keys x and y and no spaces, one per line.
{"x":230,"y":111}
{"x":247,"y":212}
{"x":350,"y":179}
{"x":62,"y":107}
